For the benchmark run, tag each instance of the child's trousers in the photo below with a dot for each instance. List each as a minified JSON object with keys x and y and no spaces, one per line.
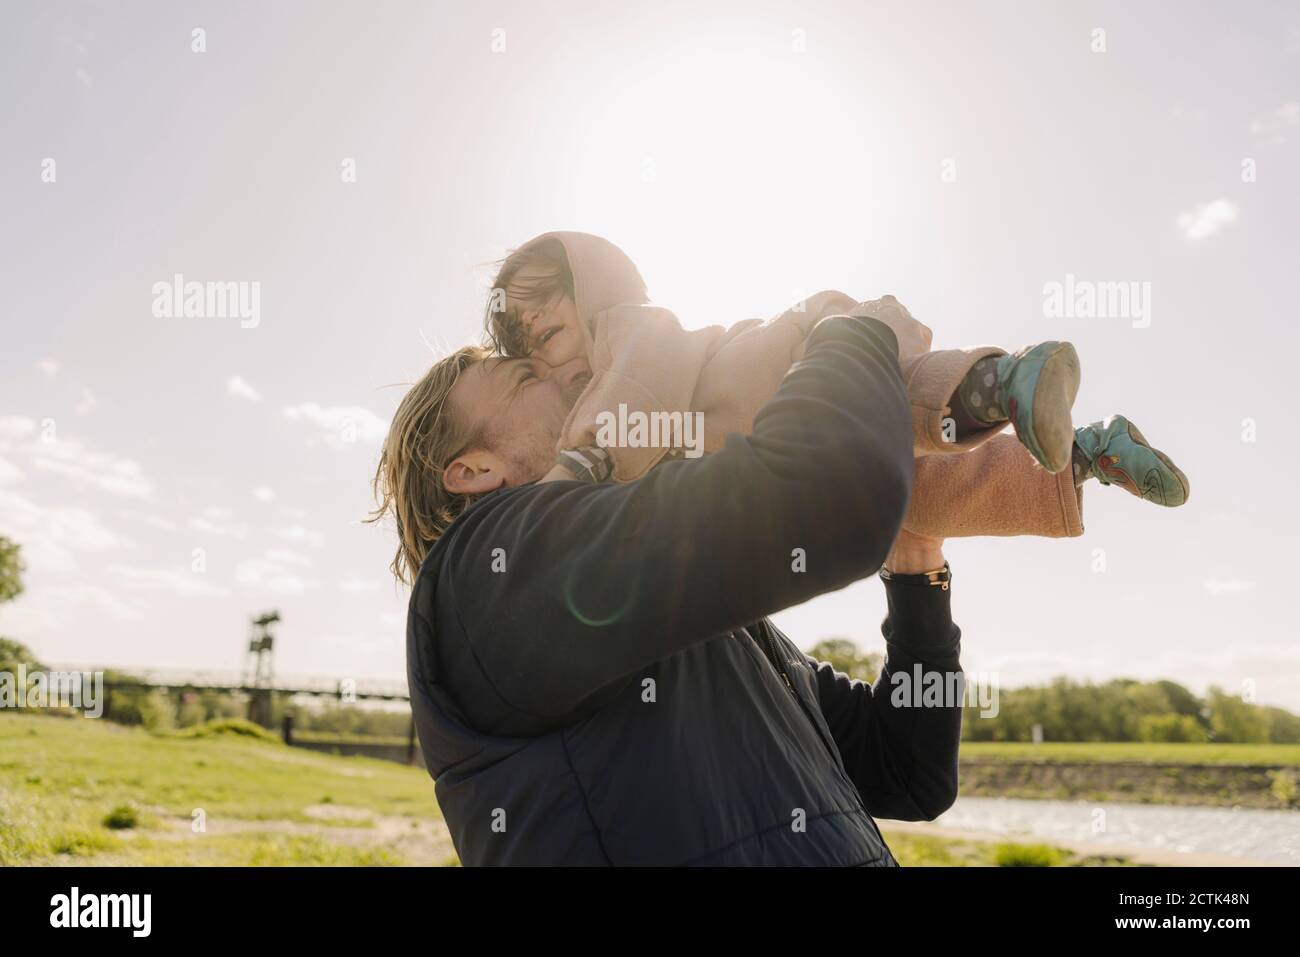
{"x":994,"y":486}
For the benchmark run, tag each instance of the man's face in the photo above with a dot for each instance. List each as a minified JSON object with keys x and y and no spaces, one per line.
{"x":520,"y":406}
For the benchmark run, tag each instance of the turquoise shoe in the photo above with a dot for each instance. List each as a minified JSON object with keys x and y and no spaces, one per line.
{"x":1119,"y":455}
{"x":1038,"y":385}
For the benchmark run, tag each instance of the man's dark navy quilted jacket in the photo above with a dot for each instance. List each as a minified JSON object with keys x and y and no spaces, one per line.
{"x":593,"y":677}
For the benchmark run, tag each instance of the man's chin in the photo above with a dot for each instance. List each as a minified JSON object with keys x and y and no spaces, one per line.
{"x":574,"y":390}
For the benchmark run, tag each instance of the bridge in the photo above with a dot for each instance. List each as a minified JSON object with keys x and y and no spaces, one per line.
{"x":181,"y":679}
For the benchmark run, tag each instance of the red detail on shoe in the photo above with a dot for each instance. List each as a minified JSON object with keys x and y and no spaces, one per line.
{"x":1109,"y":465}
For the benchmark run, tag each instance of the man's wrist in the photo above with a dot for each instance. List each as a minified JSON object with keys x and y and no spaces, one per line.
{"x":920,"y":624}
{"x":913,"y":561}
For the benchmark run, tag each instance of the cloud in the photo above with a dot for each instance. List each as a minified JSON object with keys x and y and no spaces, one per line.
{"x":236,"y":386}
{"x":1227,"y":586}
{"x":264,"y":494}
{"x":1278,"y":124}
{"x":302,"y":535}
{"x":102,"y":470}
{"x":359,"y":585}
{"x":16,"y":427}
{"x":276,"y":571}
{"x":52,"y":536}
{"x":154,"y":521}
{"x":340,"y":425}
{"x":219,"y":522}
{"x":85,"y":79}
{"x":47,"y":609}
{"x":1207,"y":219}
{"x":10,"y":474}
{"x":286,"y":557}
{"x":49,"y":366}
{"x":54,"y":610}
{"x":369,"y":647}
{"x":87,"y":403}
{"x":73,"y":458}
{"x":178,"y":582}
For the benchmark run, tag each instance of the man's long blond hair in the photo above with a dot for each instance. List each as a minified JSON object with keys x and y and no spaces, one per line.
{"x":426,"y":436}
{"x":423,"y":440}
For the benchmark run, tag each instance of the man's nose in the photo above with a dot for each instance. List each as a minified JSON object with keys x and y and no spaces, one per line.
{"x":565,"y":374}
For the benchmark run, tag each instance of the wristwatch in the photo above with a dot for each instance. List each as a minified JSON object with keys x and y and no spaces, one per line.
{"x":591,"y":463}
{"x":937,"y":577}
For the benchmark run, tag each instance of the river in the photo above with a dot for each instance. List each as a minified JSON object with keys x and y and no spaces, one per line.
{"x":1245,"y":834}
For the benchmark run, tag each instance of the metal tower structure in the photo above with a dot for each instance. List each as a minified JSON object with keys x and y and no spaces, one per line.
{"x":260,"y":673}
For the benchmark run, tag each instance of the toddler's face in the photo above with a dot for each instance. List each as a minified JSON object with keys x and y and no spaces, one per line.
{"x":551,"y":330}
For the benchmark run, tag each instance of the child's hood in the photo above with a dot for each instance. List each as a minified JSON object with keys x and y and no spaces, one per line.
{"x":603,"y":275}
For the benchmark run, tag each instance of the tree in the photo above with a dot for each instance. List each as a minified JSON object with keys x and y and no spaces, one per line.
{"x":843,"y":655}
{"x":13,"y":654}
{"x":11,"y":570}
{"x":1170,"y":728}
{"x":1234,"y":720}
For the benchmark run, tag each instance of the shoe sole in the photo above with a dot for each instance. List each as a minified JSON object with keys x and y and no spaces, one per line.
{"x":1058,"y":384}
{"x":1140,"y":439}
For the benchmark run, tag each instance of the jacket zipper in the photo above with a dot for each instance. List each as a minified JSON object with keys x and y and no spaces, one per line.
{"x":773,"y":655}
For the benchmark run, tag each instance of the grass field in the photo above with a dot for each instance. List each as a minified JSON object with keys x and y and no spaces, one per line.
{"x":924,"y":850}
{"x":75,"y":791}
{"x":1191,"y":754}
{"x":260,"y":802}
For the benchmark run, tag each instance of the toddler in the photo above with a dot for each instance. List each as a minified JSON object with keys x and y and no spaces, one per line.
{"x":568,"y":294}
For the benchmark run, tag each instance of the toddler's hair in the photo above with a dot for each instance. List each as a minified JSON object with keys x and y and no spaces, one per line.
{"x":552,"y":279}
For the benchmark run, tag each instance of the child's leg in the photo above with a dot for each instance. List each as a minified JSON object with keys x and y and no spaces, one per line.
{"x":960,"y":397}
{"x":998,"y":489}
{"x":933,"y":380}
{"x":995,"y":489}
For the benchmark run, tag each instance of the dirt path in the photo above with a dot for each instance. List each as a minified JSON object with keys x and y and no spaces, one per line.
{"x":417,"y":842}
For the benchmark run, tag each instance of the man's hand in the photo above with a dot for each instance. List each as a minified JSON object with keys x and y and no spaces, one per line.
{"x":913,"y":554}
{"x":558,"y":473}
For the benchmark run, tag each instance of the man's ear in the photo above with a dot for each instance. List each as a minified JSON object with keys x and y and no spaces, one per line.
{"x":474,"y":473}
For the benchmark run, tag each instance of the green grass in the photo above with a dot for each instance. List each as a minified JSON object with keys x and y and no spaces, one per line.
{"x":348,"y":737}
{"x":225,"y":727}
{"x":83,"y":791}
{"x":122,"y":818}
{"x":80,"y":789}
{"x":1190,"y":754}
{"x":925,"y":850}
{"x":260,"y":850}
{"x":1008,"y":854}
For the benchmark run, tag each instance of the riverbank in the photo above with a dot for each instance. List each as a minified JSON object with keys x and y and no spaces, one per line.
{"x":1261,"y":776}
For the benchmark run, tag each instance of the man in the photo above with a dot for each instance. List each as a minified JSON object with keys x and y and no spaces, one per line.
{"x":592,"y":675}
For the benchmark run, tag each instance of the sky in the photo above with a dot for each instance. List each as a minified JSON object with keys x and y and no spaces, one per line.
{"x":363,"y":164}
